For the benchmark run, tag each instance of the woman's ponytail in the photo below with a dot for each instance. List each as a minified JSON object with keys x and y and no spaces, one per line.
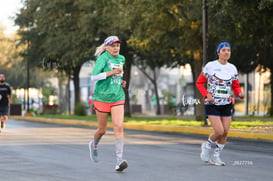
{"x":99,"y":50}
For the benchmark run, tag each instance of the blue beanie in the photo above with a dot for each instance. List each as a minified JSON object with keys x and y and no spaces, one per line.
{"x":222,"y":45}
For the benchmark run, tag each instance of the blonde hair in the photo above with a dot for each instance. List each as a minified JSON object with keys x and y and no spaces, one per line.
{"x":100,"y":49}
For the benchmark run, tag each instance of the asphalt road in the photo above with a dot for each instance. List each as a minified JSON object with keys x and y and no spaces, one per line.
{"x":31,"y":151}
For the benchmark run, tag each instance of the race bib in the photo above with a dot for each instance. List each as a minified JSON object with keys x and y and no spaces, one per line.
{"x":222,"y":92}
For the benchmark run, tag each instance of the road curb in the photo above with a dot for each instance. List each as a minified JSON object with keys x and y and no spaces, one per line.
{"x":246,"y":134}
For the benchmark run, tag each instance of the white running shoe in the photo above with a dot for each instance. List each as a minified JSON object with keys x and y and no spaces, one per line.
{"x":93,"y":152}
{"x":121,"y":165}
{"x":205,"y":153}
{"x":216,"y":160}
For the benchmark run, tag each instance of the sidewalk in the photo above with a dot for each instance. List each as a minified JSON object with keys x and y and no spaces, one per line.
{"x":255,"y":134}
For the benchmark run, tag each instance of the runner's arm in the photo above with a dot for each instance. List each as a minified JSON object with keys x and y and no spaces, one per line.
{"x":236,"y":88}
{"x":97,"y":77}
{"x":200,"y":85}
{"x":104,"y":75}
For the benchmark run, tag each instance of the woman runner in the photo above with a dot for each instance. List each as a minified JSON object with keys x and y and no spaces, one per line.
{"x":109,"y":97}
{"x":220,"y":77}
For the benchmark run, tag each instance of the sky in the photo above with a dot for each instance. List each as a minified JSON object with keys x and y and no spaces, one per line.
{"x":8,"y":9}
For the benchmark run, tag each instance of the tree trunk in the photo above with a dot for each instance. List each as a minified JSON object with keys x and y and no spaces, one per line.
{"x":271,"y":86}
{"x":158,"y":111}
{"x":76,"y":81}
{"x":199,"y":108}
{"x":61,"y":96}
{"x":68,"y":94}
{"x":125,"y":51}
{"x":127,"y":73}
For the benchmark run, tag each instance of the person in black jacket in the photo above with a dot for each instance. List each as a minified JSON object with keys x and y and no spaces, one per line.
{"x":4,"y":99}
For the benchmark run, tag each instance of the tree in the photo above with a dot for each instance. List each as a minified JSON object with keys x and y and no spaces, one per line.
{"x":167,"y":33}
{"x":54,"y":30}
{"x":12,"y":64}
{"x":65,"y":42}
{"x":67,"y":32}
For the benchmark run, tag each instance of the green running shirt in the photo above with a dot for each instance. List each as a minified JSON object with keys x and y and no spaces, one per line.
{"x":109,"y":90}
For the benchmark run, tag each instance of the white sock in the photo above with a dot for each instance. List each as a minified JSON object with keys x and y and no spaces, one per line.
{"x":95,"y":142}
{"x":208,"y":143}
{"x":218,"y":149}
{"x":119,"y":149}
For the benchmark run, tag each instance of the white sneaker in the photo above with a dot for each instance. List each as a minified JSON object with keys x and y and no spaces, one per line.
{"x":205,"y":153}
{"x":121,"y":165}
{"x":216,"y":160}
{"x":93,"y":152}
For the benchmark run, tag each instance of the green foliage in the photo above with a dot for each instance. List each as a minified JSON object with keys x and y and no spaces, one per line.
{"x":161,"y":32}
{"x":47,"y":91}
{"x":251,"y":123}
{"x":167,"y":122}
{"x":168,"y":98}
{"x":248,"y":123}
{"x":172,"y":38}
{"x":247,"y":25}
{"x":34,"y":111}
{"x":80,"y":110}
{"x":12,"y":64}
{"x":243,"y":124}
{"x":52,"y":111}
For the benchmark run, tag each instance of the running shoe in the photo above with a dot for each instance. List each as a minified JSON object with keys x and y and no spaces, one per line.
{"x":205,"y":153}
{"x":93,"y":152}
{"x":216,"y":160}
{"x":121,"y":165}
